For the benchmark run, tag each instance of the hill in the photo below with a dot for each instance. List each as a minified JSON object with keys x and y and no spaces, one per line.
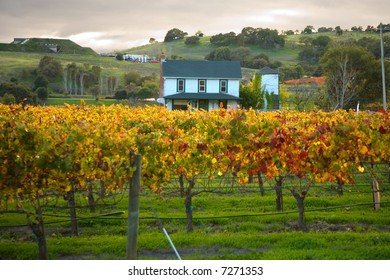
{"x":20,"y":59}
{"x":46,"y":45}
{"x":178,"y":49}
{"x":287,"y":55}
{"x":22,"y":64}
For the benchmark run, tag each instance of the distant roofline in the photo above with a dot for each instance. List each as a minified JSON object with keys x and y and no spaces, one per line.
{"x":268,"y":70}
{"x":202,"y":96}
{"x":201,"y":69}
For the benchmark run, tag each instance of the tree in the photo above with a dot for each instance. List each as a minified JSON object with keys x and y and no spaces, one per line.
{"x":338,"y":30}
{"x":310,"y":55}
{"x":119,"y":56}
{"x":268,"y":38}
{"x":289,"y":32}
{"x":174,"y":34}
{"x":70,"y":78}
{"x":241,"y":54}
{"x":199,"y":33}
{"x":314,"y":49}
{"x":50,"y":67}
{"x":153,"y":88}
{"x":192,"y":40}
{"x":321,"y":41}
{"x":226,"y":39}
{"x":262,"y":37}
{"x":120,"y":94}
{"x":221,"y":53}
{"x":370,"y":28}
{"x":303,"y":97}
{"x":246,"y":36}
{"x":95,"y":91}
{"x":308,"y":29}
{"x":250,"y":98}
{"x":259,"y":62}
{"x":254,"y":95}
{"x":132,"y":77}
{"x":345,"y":68}
{"x":8,"y":99}
{"x":356,"y":29}
{"x":291,"y":72}
{"x":146,"y":92}
{"x":20,"y":92}
{"x":40,"y":81}
{"x":42,"y":93}
{"x":325,"y":29}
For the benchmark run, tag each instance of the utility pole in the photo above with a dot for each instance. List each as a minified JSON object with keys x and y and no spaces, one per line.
{"x":383,"y":70}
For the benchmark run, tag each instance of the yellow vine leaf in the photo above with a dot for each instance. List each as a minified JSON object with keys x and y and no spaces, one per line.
{"x":363,"y":150}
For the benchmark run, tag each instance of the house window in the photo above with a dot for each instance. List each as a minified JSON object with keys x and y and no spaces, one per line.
{"x":180,"y":105}
{"x":202,"y":85}
{"x":180,"y":85}
{"x":223,"y":86}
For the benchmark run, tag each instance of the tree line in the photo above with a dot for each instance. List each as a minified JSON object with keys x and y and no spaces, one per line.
{"x":73,"y":79}
{"x":358,"y":80}
{"x":262,"y":37}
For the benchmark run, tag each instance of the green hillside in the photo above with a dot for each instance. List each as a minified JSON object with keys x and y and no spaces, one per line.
{"x":287,"y":55}
{"x":44,"y":45}
{"x":22,"y":64}
{"x":178,"y":49}
{"x":20,"y":60}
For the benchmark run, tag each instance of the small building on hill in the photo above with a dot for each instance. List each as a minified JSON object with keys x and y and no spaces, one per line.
{"x":200,"y":84}
{"x":270,"y":82}
{"x":19,"y":40}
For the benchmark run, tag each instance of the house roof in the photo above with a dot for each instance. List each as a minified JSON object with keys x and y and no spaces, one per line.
{"x":202,"y":96}
{"x":267,"y":70}
{"x":201,"y":69}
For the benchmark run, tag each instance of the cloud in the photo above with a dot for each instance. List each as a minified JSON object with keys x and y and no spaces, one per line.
{"x":114,"y":24}
{"x":98,"y":39}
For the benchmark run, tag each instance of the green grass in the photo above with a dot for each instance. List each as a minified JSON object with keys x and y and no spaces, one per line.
{"x":287,"y":55}
{"x":76,"y":101}
{"x":20,"y":65}
{"x":227,"y":226}
{"x":181,"y":50}
{"x":61,"y":101}
{"x":38,"y":45}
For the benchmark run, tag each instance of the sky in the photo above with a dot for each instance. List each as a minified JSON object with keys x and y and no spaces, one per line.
{"x":121,"y":24}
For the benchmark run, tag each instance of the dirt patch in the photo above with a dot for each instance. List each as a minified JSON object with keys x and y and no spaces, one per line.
{"x":198,"y":252}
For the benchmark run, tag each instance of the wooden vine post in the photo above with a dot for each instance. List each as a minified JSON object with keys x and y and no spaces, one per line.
{"x":376,"y":194}
{"x":133,"y":210}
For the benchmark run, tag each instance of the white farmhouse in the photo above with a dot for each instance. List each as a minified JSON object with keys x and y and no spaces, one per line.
{"x":201,"y":84}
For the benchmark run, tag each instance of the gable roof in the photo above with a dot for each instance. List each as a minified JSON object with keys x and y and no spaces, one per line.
{"x":267,"y":70}
{"x":202,"y":96}
{"x":201,"y":69}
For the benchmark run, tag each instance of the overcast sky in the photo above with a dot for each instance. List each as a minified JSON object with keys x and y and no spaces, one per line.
{"x":107,"y":25}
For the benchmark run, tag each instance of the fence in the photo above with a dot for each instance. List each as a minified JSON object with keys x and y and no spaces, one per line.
{"x":222,"y":185}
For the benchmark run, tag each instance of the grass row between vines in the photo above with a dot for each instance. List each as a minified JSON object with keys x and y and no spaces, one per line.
{"x":230,"y":226}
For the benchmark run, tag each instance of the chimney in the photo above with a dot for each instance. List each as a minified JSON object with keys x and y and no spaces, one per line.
{"x":162,"y":57}
{"x":162,"y":60}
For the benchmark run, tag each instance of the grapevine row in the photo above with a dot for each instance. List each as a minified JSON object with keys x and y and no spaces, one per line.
{"x":62,"y":148}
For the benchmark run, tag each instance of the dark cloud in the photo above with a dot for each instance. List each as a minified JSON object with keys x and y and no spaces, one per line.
{"x":119,"y":24}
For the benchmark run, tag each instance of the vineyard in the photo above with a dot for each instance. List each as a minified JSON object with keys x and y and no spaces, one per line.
{"x":71,"y":160}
